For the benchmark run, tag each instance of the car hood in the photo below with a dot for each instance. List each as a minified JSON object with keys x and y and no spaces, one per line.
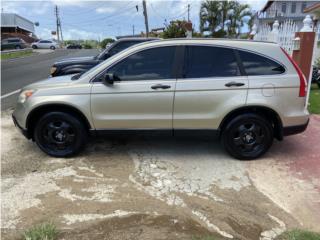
{"x":75,"y":60}
{"x":51,"y":82}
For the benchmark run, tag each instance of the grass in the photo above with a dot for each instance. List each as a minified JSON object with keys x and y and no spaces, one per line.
{"x":45,"y":231}
{"x":314,"y":99}
{"x":298,"y":234}
{"x":10,"y":55}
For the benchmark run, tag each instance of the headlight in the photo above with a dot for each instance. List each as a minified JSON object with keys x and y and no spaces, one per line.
{"x":53,"y":70}
{"x":24,"y":95}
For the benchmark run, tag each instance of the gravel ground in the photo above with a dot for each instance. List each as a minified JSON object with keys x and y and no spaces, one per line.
{"x":143,"y":187}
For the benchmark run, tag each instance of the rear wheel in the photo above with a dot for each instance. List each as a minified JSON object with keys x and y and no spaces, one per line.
{"x":60,"y":134}
{"x":34,"y":47}
{"x":247,"y":136}
{"x":18,"y":47}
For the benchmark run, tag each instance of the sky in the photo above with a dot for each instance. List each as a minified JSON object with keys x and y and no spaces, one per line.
{"x":101,"y":19}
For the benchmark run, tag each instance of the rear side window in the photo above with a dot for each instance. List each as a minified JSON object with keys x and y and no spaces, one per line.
{"x":203,"y":61}
{"x":14,"y":40}
{"x":258,"y":65}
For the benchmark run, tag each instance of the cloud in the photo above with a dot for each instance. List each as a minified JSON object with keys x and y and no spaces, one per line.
{"x":75,"y":34}
{"x":105,"y":10}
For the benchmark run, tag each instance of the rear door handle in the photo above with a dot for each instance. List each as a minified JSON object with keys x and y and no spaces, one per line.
{"x":160,"y":86}
{"x":234,"y":84}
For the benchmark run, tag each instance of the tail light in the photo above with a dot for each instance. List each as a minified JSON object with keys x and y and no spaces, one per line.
{"x":303,"y":80}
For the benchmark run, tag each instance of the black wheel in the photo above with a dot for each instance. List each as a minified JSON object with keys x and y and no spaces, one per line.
{"x":34,"y":47}
{"x":52,"y":48}
{"x":247,"y":136}
{"x":18,"y":47}
{"x":60,"y":134}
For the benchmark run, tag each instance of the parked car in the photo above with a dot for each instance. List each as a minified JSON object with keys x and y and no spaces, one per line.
{"x":82,"y":64}
{"x":45,"y":44}
{"x":316,"y":75}
{"x":13,"y":43}
{"x":248,"y":92}
{"x":74,"y":46}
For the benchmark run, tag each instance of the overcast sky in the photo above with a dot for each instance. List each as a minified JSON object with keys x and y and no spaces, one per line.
{"x":101,"y":19}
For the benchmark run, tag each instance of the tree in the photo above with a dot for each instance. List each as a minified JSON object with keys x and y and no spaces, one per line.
{"x":106,"y":41}
{"x":240,"y":13}
{"x":175,"y":30}
{"x":222,"y":18}
{"x":210,"y":16}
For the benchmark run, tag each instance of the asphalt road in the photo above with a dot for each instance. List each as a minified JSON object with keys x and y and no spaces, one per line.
{"x":17,"y":73}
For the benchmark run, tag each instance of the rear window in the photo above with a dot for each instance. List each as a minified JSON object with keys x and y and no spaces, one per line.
{"x":258,"y":65}
{"x":205,"y":61}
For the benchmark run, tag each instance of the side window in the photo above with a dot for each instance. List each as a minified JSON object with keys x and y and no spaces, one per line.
{"x":202,"y":61}
{"x":257,"y":65}
{"x":150,"y":64}
{"x":42,"y":41}
{"x":121,"y":46}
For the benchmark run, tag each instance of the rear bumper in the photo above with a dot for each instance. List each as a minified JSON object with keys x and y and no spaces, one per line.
{"x":23,"y":131}
{"x":295,"y":129}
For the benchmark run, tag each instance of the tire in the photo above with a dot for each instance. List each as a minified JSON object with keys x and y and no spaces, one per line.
{"x":52,"y":47}
{"x":60,"y":134}
{"x":247,"y":136}
{"x":17,"y":47}
{"x":34,"y":47}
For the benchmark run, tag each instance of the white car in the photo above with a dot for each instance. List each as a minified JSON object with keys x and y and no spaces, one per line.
{"x":45,"y":44}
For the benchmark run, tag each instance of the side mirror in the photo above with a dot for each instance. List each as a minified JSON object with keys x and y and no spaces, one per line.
{"x":108,"y":79}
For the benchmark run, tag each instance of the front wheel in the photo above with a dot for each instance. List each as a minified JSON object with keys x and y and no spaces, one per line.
{"x":52,"y":47}
{"x":34,"y":47}
{"x":60,"y":134}
{"x":247,"y":136}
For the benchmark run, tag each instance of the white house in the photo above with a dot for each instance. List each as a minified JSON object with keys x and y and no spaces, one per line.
{"x":283,"y":11}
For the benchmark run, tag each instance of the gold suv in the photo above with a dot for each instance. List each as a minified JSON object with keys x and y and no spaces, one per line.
{"x":249,"y":92}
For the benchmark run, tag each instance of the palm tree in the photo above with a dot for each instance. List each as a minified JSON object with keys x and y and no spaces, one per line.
{"x":210,"y":16}
{"x":215,"y":15}
{"x":237,"y":18}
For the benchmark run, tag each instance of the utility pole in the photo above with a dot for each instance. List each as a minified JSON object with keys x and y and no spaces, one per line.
{"x":56,"y":11}
{"x":188,"y":12}
{"x":132,"y":30}
{"x":58,"y":23}
{"x":145,"y":17}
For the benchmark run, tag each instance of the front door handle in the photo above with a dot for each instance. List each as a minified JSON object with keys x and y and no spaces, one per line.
{"x":157,"y":86}
{"x":234,"y":84}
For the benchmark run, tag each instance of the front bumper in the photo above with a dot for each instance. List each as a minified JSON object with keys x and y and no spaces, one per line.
{"x":23,"y":131}
{"x":295,"y":129}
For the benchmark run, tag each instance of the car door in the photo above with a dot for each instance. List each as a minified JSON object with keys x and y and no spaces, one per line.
{"x":142,"y":95}
{"x":212,"y":85}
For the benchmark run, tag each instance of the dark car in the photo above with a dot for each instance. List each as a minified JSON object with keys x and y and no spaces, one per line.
{"x":74,"y":46}
{"x":13,"y":43}
{"x":82,"y":64}
{"x":316,"y":75}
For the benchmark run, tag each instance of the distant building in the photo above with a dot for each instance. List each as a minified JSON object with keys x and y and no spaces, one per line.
{"x":13,"y":25}
{"x":282,"y":11}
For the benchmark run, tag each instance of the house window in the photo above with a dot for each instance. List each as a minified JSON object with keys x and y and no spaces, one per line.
{"x":303,"y":6}
{"x":293,"y":7}
{"x":284,"y":7}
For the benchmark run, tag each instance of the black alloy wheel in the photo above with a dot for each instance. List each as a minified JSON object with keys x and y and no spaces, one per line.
{"x":60,"y":134}
{"x":247,"y":136}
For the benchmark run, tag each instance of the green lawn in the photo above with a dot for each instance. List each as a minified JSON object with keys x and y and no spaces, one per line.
{"x":298,"y":234}
{"x":15,"y":54}
{"x":314,"y":99}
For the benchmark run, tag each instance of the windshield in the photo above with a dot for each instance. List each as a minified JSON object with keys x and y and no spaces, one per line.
{"x":103,"y":52}
{"x":84,"y":74}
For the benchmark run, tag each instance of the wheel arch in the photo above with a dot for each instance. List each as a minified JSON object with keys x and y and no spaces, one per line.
{"x":270,"y":114}
{"x":39,"y":111}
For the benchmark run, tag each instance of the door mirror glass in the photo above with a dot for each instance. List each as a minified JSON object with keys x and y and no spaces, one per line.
{"x":108,"y":79}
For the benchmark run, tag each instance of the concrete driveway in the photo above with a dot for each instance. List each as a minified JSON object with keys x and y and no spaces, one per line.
{"x":160,"y":188}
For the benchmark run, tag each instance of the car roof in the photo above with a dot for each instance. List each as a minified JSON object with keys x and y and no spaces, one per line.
{"x":137,"y":39}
